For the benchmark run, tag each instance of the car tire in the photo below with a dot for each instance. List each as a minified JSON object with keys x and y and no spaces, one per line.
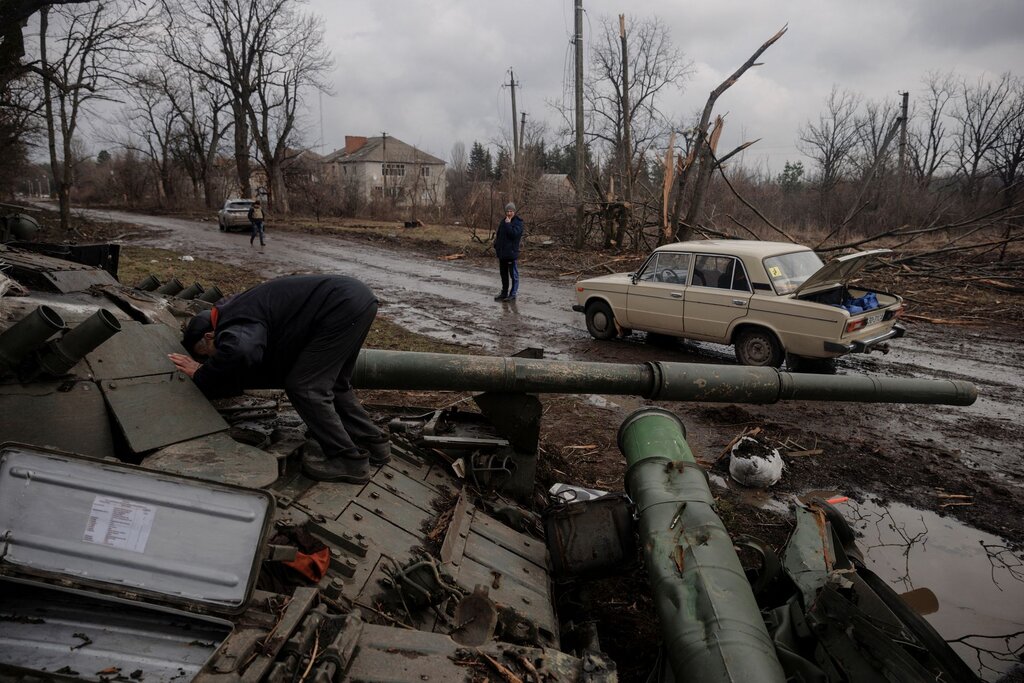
{"x":759,"y":347}
{"x":601,"y":321}
{"x":222,"y":227}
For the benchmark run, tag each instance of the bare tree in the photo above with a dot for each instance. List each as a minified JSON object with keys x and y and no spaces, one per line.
{"x":830,"y":143}
{"x":704,"y":140}
{"x":872,"y":126}
{"x":93,"y":45}
{"x":980,"y":115}
{"x":13,"y":15}
{"x":1008,"y":157}
{"x":929,"y":146}
{"x":150,"y":126}
{"x":292,"y":60}
{"x":655,"y":66}
{"x":265,"y":54}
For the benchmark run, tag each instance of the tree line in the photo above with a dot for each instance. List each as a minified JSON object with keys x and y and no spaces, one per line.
{"x":191,"y":96}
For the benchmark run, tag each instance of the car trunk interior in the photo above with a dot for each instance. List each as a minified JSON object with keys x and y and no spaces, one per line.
{"x":835,"y":296}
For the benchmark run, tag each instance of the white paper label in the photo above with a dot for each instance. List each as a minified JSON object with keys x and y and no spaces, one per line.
{"x":119,"y":524}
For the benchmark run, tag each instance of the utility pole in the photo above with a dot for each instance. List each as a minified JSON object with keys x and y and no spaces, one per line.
{"x":580,"y":217}
{"x":522,"y":131}
{"x":515,"y":129}
{"x":902,"y":170}
{"x":384,"y":164}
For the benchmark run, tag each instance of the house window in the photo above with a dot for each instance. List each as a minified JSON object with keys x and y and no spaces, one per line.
{"x":392,"y":169}
{"x":425,"y":171}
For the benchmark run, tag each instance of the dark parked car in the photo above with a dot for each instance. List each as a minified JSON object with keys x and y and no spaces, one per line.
{"x":235,"y":215}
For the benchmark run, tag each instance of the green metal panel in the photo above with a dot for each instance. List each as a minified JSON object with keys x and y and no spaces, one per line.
{"x":67,"y":416}
{"x":160,"y":410}
{"x":137,"y":350}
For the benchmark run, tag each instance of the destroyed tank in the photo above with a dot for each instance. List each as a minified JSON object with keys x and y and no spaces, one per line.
{"x":151,"y":535}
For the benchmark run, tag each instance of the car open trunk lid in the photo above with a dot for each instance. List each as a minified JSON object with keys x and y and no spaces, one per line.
{"x":839,"y":271}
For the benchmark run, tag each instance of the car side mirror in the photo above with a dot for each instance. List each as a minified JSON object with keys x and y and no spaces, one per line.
{"x":632,"y":278}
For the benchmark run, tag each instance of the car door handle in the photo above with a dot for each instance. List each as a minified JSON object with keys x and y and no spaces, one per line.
{"x":740,"y":302}
{"x":676,"y":295}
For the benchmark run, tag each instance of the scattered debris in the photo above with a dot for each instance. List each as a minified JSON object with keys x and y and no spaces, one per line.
{"x":754,"y":464}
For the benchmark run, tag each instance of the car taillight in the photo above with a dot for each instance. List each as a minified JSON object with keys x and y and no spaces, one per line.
{"x":579,"y":289}
{"x":855,"y":325}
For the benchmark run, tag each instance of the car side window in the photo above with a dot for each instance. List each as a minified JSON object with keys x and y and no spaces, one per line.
{"x":650,"y":270}
{"x":740,"y":281}
{"x":708,"y":269}
{"x":673,"y":268}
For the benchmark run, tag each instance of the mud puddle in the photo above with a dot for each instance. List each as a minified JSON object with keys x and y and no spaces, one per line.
{"x":977,"y":579}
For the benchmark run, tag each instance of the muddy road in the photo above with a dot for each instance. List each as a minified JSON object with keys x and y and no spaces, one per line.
{"x":963,"y":468}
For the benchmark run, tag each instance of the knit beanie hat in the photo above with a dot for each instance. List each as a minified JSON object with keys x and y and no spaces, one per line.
{"x":510,"y":207}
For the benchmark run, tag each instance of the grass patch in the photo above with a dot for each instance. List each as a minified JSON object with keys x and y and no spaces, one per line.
{"x":138,"y":262}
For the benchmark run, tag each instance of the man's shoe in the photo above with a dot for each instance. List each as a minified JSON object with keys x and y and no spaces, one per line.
{"x":348,"y":470}
{"x":510,"y":297}
{"x":501,"y":297}
{"x":377,"y":450}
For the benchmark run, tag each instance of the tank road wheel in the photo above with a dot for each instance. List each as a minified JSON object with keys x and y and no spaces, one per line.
{"x":758,"y":346}
{"x":601,"y":321}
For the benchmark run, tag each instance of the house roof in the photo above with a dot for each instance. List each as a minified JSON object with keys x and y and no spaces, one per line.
{"x":375,"y":151}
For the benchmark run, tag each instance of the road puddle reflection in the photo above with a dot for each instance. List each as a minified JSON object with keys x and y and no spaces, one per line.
{"x":977,"y":580}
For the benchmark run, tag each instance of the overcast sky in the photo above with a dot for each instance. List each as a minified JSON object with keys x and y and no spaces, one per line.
{"x":431,"y":72}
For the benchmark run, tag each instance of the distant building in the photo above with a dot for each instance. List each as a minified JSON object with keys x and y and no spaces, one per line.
{"x":387,"y":167}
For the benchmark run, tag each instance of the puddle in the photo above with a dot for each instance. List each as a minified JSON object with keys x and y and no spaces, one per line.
{"x":978,"y":580}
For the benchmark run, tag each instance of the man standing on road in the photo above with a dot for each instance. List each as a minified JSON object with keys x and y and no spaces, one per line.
{"x":256,"y":220}
{"x":506,"y":246}
{"x":301,"y":333}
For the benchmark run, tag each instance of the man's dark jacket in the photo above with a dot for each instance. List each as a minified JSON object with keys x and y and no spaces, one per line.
{"x":260,"y":332}
{"x":507,"y":238}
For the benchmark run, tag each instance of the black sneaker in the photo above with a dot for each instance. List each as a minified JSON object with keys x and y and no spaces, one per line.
{"x":501,"y":297}
{"x":510,"y":297}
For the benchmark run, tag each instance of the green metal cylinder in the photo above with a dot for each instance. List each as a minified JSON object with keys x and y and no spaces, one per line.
{"x":149,"y":283}
{"x":212,"y":295}
{"x":191,"y":292}
{"x":171,"y":287}
{"x":61,"y":354}
{"x":21,"y":338}
{"x":378,"y":369}
{"x":710,"y":622}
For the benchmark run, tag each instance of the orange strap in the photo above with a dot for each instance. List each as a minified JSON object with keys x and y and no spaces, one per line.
{"x":213,"y":317}
{"x":313,"y":566}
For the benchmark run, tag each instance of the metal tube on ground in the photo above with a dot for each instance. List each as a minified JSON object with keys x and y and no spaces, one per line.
{"x":21,"y":338}
{"x":379,"y":369}
{"x":710,"y":622}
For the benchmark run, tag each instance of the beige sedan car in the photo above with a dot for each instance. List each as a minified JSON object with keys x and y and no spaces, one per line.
{"x":771,"y":300}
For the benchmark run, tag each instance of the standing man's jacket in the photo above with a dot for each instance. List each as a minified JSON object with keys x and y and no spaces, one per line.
{"x":260,"y":332}
{"x":255,"y":213}
{"x":506,"y":241}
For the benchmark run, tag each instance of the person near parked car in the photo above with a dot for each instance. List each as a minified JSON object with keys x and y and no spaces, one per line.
{"x":506,"y":246}
{"x":256,"y":220}
{"x":300,"y":333}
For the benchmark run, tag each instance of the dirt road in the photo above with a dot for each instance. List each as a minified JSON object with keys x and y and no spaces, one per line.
{"x":937,"y":461}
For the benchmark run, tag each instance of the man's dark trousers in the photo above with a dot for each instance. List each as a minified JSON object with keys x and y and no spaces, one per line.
{"x":319,"y":384}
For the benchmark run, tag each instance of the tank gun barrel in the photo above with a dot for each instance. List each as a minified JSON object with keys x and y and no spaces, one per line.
{"x":379,"y":369}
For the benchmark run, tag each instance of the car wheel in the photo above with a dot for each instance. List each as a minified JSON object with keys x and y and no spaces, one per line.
{"x":222,"y":227}
{"x":758,"y":346}
{"x":600,"y":321}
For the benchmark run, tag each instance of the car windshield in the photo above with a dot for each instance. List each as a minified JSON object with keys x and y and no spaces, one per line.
{"x":239,"y":206}
{"x":789,"y":271}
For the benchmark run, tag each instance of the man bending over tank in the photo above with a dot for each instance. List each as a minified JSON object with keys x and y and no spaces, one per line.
{"x":301,"y":333}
